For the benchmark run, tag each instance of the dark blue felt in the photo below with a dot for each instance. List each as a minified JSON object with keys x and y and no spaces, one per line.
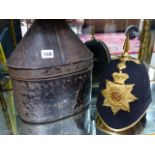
{"x":137,"y":75}
{"x":101,"y":53}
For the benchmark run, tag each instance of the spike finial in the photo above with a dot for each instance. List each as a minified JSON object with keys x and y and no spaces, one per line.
{"x":93,"y":32}
{"x":126,"y":46}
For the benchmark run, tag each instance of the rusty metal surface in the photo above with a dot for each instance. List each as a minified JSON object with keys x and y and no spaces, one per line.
{"x":50,"y":72}
{"x":78,"y":124}
{"x":52,"y":99}
{"x":54,"y":88}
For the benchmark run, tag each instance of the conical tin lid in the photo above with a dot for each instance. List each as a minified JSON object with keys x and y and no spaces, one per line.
{"x":48,"y":43}
{"x":49,"y":48}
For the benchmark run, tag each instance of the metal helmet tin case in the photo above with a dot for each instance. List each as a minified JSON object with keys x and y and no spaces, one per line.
{"x":124,"y":93}
{"x":51,"y":73}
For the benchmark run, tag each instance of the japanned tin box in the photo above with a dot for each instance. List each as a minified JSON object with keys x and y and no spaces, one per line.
{"x":51,"y":73}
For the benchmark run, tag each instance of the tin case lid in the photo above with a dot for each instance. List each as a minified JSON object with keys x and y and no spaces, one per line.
{"x":48,"y":43}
